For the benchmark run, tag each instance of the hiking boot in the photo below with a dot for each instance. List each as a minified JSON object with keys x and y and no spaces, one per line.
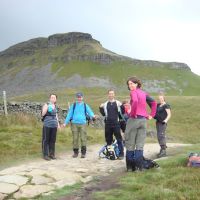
{"x":75,"y":155}
{"x":52,"y":157}
{"x":83,"y":155}
{"x":46,"y":158}
{"x":162,"y":153}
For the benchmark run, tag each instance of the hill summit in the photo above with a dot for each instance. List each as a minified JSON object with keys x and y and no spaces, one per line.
{"x":75,"y":59}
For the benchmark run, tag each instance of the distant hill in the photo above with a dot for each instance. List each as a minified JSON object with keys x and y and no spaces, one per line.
{"x":75,"y":59}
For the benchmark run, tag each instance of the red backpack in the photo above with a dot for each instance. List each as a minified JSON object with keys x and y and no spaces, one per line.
{"x":194,"y":160}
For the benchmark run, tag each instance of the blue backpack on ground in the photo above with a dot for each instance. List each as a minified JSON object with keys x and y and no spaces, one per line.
{"x":110,"y":152}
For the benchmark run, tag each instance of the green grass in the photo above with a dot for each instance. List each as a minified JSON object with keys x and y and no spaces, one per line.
{"x":60,"y":192}
{"x":20,"y":139}
{"x":172,"y":181}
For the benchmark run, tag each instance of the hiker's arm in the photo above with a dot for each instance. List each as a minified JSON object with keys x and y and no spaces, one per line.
{"x":152,"y":104}
{"x":69,"y":115}
{"x":168,"y":115}
{"x":58,"y":121}
{"x":89,"y":112}
{"x":122,"y":109}
{"x":101,"y":109}
{"x":44,"y":109}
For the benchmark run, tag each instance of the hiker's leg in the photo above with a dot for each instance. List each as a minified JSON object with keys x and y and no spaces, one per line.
{"x":140,"y":140}
{"x":161,"y":128}
{"x":83,"y":134}
{"x":75,"y":135}
{"x":45,"y":141}
{"x":130,"y":160}
{"x":108,"y":134}
{"x":130,"y":134}
{"x":117,"y":133}
{"x":53,"y":134}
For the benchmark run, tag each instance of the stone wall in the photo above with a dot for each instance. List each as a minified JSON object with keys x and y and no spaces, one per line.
{"x":32,"y":108}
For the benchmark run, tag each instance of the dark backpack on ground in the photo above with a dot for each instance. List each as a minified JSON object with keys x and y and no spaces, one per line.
{"x":86,"y":115}
{"x":148,"y":163}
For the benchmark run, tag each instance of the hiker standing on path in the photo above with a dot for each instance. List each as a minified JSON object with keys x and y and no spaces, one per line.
{"x":79,"y":113}
{"x":135,"y":133}
{"x":50,"y":125}
{"x":112,"y":110}
{"x":163,"y":114}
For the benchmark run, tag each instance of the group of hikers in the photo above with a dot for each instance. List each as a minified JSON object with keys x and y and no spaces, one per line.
{"x":126,"y":122}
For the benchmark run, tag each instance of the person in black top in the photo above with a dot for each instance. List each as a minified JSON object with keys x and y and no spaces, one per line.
{"x":163,"y":114}
{"x":112,"y":110}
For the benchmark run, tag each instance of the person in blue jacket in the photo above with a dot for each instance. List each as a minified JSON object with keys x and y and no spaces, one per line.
{"x":79,"y":113}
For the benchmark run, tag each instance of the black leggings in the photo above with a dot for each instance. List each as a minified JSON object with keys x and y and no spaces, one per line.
{"x":48,"y":141}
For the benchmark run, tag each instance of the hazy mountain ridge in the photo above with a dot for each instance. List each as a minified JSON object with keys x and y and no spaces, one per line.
{"x":76,"y":59}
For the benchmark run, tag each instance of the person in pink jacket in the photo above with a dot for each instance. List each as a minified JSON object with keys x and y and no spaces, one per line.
{"x":135,"y":133}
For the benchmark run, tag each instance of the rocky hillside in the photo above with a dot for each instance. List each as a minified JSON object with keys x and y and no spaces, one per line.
{"x":76,"y":59}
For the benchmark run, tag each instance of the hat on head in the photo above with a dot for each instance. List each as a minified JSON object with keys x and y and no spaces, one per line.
{"x":79,"y":94}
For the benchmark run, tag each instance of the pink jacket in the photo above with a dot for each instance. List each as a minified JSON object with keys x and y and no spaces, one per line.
{"x":138,"y":102}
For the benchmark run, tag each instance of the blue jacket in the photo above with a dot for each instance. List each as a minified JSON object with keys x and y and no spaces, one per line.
{"x":79,"y":114}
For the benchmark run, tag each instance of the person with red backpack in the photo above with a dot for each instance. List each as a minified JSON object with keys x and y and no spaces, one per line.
{"x":79,"y":113}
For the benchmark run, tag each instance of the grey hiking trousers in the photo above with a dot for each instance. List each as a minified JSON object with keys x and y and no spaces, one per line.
{"x":161,"y":135}
{"x":135,"y":134}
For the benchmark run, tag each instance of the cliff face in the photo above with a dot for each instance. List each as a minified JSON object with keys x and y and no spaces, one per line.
{"x":77,"y":46}
{"x":69,"y":38}
{"x":29,"y":47}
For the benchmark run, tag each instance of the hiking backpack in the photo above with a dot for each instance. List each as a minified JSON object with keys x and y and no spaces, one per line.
{"x":148,"y":163}
{"x":194,"y":160}
{"x":110,"y":152}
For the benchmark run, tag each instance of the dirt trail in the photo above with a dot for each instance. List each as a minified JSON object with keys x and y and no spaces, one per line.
{"x":43,"y":177}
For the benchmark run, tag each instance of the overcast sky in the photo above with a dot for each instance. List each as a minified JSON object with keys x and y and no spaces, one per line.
{"x":163,"y":30}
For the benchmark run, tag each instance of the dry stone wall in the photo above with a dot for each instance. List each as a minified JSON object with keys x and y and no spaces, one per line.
{"x":32,"y":108}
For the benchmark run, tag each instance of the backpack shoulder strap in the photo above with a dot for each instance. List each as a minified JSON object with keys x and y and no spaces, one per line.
{"x":74,"y":106}
{"x":85,"y":109}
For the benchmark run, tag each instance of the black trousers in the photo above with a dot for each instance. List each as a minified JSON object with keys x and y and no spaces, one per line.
{"x":110,"y":130}
{"x":48,"y":141}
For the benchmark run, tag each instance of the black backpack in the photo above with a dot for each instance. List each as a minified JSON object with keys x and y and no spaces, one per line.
{"x":148,"y":163}
{"x":86,"y":115}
